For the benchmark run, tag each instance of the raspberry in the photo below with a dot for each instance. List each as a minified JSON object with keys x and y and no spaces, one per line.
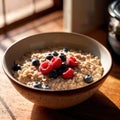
{"x":71,"y":61}
{"x":46,"y":67}
{"x":68,"y":74}
{"x":57,"y":62}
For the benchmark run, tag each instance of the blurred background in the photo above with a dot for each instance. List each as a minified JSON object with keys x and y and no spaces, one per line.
{"x":23,"y":18}
{"x":14,"y":13}
{"x":78,"y":15}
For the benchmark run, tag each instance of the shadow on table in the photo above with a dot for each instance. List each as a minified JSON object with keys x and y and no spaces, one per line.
{"x":98,"y":107}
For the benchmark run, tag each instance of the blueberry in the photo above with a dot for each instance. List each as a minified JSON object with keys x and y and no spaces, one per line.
{"x":64,"y":67}
{"x":53,"y":74}
{"x":88,"y":78}
{"x":61,"y":69}
{"x":35,"y":62}
{"x":49,"y":56}
{"x":63,"y":57}
{"x":55,"y":53}
{"x":66,"y":49}
{"x":37,"y":84}
{"x":17,"y":67}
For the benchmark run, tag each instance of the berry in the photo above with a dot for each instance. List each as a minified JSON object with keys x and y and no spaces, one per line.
{"x":40,"y":85}
{"x":53,"y":74}
{"x":88,"y":78}
{"x":72,"y":62}
{"x":46,"y":67}
{"x":55,"y":53}
{"x":59,"y":71}
{"x":35,"y":62}
{"x":68,"y":74}
{"x":63,"y":57}
{"x":57,"y":62}
{"x":17,"y":67}
{"x":49,"y":56}
{"x":66,"y":49}
{"x":37,"y":84}
{"x":63,"y":67}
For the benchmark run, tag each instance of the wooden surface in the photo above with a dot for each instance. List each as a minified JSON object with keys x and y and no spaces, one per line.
{"x":104,"y":104}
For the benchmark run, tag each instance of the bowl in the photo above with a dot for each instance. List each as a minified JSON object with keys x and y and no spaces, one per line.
{"x":57,"y":99}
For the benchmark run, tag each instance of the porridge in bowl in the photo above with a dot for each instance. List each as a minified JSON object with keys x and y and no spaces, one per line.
{"x":58,"y":69}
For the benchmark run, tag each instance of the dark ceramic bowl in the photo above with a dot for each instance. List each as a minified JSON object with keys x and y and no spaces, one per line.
{"x":56,"y":99}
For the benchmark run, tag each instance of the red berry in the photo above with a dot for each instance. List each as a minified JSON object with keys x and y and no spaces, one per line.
{"x":68,"y":74}
{"x":71,"y":61}
{"x":57,"y":62}
{"x":46,"y":67}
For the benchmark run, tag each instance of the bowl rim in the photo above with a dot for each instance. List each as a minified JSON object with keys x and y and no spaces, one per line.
{"x":83,"y":88}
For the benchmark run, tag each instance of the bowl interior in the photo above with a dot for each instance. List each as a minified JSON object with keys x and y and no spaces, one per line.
{"x":58,"y":39}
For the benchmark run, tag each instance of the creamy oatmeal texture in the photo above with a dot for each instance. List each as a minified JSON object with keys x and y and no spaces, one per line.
{"x":84,"y":69}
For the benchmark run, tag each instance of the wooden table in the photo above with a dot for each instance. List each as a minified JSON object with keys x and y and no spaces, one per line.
{"x":104,"y":104}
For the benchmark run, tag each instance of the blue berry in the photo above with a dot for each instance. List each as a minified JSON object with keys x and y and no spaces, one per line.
{"x":53,"y":74}
{"x":66,"y":49}
{"x":37,"y":84}
{"x":59,"y":71}
{"x":63,"y":57}
{"x":35,"y":62}
{"x":49,"y":56}
{"x":17,"y":67}
{"x":55,"y":53}
{"x":88,"y":78}
{"x":62,"y":69}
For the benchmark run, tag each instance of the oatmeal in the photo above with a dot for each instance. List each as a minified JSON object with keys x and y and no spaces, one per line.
{"x":59,"y":69}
